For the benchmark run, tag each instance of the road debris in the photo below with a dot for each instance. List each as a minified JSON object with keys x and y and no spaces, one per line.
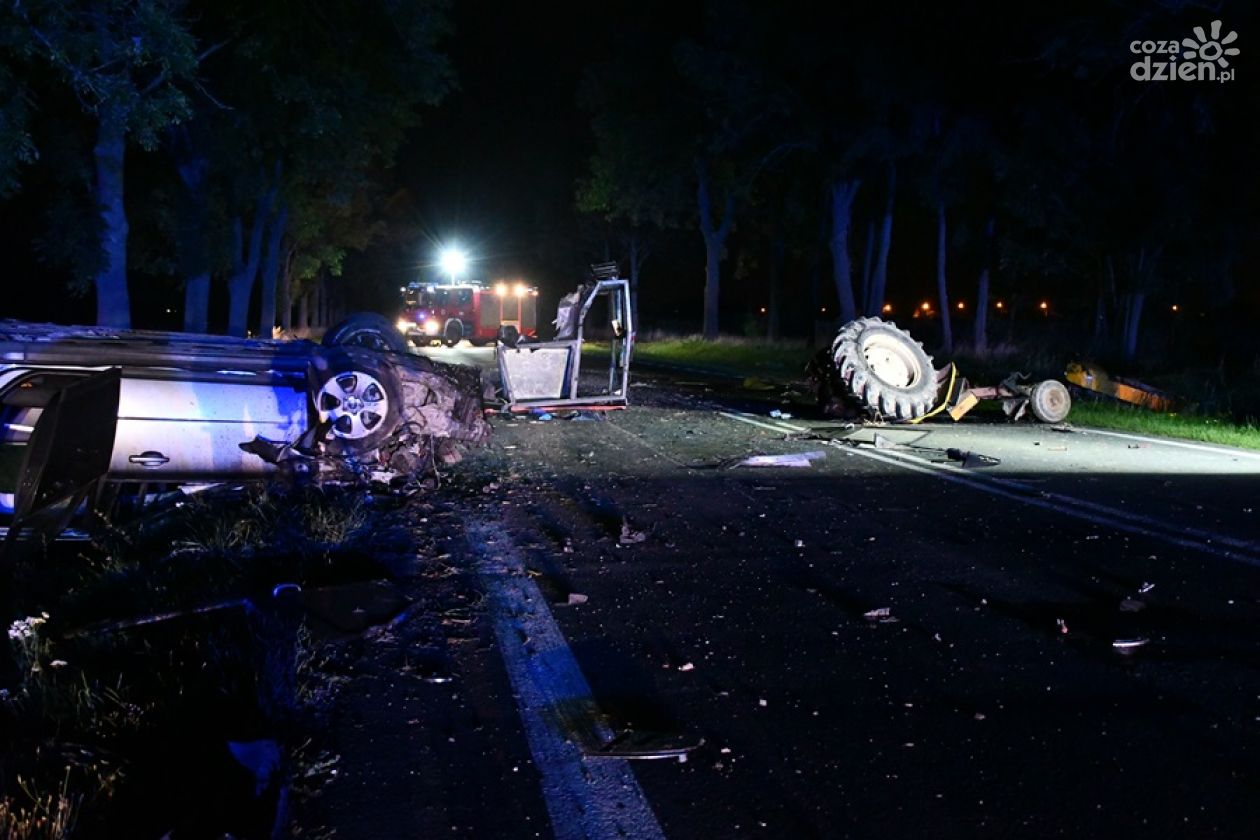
{"x":885,"y":442}
{"x":1062,"y":625}
{"x":576,"y":598}
{"x":1146,"y":586}
{"x":687,"y":666}
{"x":792,"y":459}
{"x":1127,"y":646}
{"x":881,"y":615}
{"x":780,"y":415}
{"x":630,"y":535}
{"x":971,"y":460}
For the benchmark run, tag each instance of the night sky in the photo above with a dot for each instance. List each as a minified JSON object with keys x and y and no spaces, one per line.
{"x":494,"y":167}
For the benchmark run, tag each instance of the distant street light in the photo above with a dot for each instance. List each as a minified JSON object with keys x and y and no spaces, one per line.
{"x":961,"y":305}
{"x":887,"y":307}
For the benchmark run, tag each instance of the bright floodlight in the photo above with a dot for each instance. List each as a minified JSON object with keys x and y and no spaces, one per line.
{"x":453,"y":262}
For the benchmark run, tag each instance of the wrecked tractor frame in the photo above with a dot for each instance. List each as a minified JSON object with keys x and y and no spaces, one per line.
{"x":876,"y":370}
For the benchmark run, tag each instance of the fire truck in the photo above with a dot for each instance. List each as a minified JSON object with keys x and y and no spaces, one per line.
{"x":447,"y":313}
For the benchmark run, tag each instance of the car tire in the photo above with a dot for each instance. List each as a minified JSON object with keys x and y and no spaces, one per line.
{"x":359,"y":398}
{"x":367,"y":330}
{"x":884,"y":370}
{"x":509,"y":336}
{"x":1050,"y":401}
{"x":453,"y":333}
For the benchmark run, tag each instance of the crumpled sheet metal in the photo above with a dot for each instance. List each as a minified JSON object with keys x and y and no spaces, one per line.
{"x":441,"y":400}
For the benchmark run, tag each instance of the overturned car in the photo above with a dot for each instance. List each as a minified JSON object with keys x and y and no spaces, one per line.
{"x":86,"y":407}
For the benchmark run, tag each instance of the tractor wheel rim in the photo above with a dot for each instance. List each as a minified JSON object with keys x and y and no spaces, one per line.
{"x":891,"y":361}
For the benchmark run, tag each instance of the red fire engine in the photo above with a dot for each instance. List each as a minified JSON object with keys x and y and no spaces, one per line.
{"x":481,"y":314}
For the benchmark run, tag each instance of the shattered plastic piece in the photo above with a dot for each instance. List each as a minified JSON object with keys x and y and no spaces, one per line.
{"x":630,"y":744}
{"x":630,"y":536}
{"x":576,"y":598}
{"x":780,"y":415}
{"x":687,"y":666}
{"x":1145,"y":587}
{"x":882,"y":442}
{"x":1062,"y":625}
{"x":792,"y":459}
{"x":970,"y":460}
{"x":882,"y":615}
{"x":1129,"y":645}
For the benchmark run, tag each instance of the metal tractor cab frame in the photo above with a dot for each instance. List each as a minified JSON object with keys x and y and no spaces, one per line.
{"x":547,"y":374}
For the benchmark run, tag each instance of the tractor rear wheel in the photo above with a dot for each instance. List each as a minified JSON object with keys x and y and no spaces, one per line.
{"x":884,"y":369}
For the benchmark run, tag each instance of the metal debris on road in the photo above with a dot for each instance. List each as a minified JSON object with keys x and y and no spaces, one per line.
{"x":630,"y":535}
{"x":970,"y":460}
{"x":1129,"y":645}
{"x":792,"y":459}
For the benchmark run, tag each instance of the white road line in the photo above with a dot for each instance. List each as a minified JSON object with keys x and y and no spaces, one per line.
{"x":1208,"y":542}
{"x":592,"y":798}
{"x":1180,"y":444}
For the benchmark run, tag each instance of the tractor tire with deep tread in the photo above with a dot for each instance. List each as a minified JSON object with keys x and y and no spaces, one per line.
{"x":883,"y":369}
{"x":1050,"y":401}
{"x":368,"y":330}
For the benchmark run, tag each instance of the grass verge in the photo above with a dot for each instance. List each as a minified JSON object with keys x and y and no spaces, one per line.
{"x":781,"y":360}
{"x":786,"y":361}
{"x":1184,"y":426}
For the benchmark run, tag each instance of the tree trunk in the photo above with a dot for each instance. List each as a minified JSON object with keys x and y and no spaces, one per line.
{"x":842,"y":195}
{"x":193,"y":221}
{"x":816,"y":269}
{"x":286,"y":294}
{"x":637,"y":254}
{"x":245,"y":271}
{"x":197,"y":303}
{"x":869,"y":306}
{"x":1134,"y":303}
{"x":774,"y":315}
{"x":942,"y":290}
{"x":113,"y":304}
{"x":270,"y":273}
{"x":879,"y":285}
{"x":980,"y":335}
{"x":714,"y":240}
{"x":304,"y":312}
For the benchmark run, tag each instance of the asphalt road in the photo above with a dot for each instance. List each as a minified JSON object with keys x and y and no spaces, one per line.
{"x":1057,"y":639}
